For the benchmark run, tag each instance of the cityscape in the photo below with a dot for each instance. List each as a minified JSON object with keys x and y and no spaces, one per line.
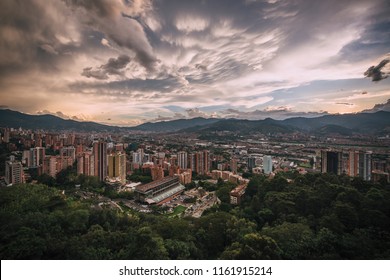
{"x":195,"y":130}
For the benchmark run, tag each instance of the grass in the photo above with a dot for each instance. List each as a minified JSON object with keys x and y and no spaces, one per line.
{"x":306,"y":165}
{"x":177,"y":211}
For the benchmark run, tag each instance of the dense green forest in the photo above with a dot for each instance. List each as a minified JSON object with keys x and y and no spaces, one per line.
{"x":313,"y":216}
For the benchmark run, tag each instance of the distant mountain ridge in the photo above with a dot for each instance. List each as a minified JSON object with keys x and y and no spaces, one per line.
{"x":360,"y":122}
{"x":347,"y":124}
{"x":174,"y":125}
{"x":9,"y":118}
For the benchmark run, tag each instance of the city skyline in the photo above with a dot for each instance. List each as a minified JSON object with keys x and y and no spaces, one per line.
{"x":128,"y":62}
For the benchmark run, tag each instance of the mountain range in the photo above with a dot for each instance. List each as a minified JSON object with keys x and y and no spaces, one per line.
{"x":377,"y":123}
{"x":363,"y":123}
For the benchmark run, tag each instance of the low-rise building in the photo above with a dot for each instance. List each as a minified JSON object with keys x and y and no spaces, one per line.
{"x":160,"y":191}
{"x":237,"y":194}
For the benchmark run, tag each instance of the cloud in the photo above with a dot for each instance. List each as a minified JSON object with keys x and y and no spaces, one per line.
{"x":189,"y":23}
{"x":115,"y":19}
{"x":48,"y":48}
{"x":34,"y":35}
{"x":379,"y":107}
{"x":139,"y":56}
{"x":142,"y":89}
{"x":2,"y":107}
{"x":61,"y":115}
{"x":376,"y":73}
{"x":196,"y":113}
{"x":97,"y":74}
{"x":112,"y":67}
{"x":278,"y":113}
{"x":105,"y":42}
{"x":176,"y":116}
{"x":345,"y":103}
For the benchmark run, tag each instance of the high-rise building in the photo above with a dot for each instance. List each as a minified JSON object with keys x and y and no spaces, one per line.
{"x":86,"y":164}
{"x":233,"y":165}
{"x":119,"y":147}
{"x":267,"y":164}
{"x":26,"y":158}
{"x":117,"y":166}
{"x":79,"y":149}
{"x":157,"y":173}
{"x":100,"y":159}
{"x":185,"y":177}
{"x":37,"y":140}
{"x":6,"y":135}
{"x":138,"y":157}
{"x":332,"y":162}
{"x":353,"y":164}
{"x":251,"y":163}
{"x":50,"y":166}
{"x":174,"y":170}
{"x":365,"y":165}
{"x":37,"y":155}
{"x":182,"y":159}
{"x":200,"y":162}
{"x":360,"y":164}
{"x":80,"y":164}
{"x":13,"y":172}
{"x":68,"y":151}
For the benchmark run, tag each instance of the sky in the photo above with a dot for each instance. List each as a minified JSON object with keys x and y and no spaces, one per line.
{"x":128,"y":62}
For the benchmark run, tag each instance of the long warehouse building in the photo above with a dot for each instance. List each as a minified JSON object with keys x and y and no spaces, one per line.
{"x":160,"y":191}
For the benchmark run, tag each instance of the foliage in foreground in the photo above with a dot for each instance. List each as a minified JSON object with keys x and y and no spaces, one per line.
{"x":316,"y":216}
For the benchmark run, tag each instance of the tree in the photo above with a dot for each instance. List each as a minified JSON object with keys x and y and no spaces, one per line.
{"x":253,"y":247}
{"x":347,"y":215}
{"x":177,"y":250}
{"x":223,"y":194}
{"x":292,"y":238}
{"x":46,"y":179}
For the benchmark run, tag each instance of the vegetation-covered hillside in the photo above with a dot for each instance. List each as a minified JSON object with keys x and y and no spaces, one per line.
{"x":316,"y":216}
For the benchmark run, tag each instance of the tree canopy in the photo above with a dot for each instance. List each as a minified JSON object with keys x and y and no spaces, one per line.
{"x":313,"y":216}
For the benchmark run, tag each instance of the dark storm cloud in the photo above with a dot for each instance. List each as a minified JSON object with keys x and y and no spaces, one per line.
{"x":101,"y":8}
{"x":219,"y":32}
{"x":44,"y":34}
{"x":373,"y":40}
{"x":112,"y":67}
{"x":376,"y":73}
{"x":129,"y":87}
{"x":29,"y":32}
{"x":184,"y":53}
{"x":113,"y":64}
{"x":109,"y":17}
{"x":97,"y":74}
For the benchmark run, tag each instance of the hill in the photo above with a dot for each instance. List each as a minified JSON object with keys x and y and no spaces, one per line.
{"x":377,"y":123}
{"x":9,"y":118}
{"x":347,"y":124}
{"x":366,"y":123}
{"x":175,"y":125}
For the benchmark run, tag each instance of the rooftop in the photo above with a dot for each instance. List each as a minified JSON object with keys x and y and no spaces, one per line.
{"x":151,"y":185}
{"x":238,"y":190}
{"x":164,"y":195}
